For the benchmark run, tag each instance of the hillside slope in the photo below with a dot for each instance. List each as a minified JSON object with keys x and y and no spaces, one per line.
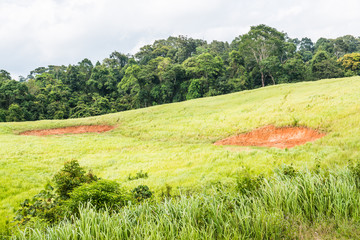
{"x":174,"y":142}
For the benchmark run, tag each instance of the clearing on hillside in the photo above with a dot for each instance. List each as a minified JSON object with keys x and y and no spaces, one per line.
{"x":271,"y":136}
{"x":73,"y":130}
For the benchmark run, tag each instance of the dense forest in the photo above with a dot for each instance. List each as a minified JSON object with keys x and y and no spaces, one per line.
{"x":173,"y":70}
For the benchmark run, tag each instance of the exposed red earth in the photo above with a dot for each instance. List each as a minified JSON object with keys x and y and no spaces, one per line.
{"x":67,"y":130}
{"x":271,"y":136}
{"x":268,"y":136}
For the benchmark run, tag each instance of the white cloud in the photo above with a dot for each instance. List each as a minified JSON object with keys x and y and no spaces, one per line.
{"x":42,"y":32}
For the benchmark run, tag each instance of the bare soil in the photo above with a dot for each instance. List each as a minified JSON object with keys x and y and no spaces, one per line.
{"x":69,"y":130}
{"x":271,"y":136}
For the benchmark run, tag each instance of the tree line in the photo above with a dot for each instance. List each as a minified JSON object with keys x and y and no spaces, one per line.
{"x":172,"y":70}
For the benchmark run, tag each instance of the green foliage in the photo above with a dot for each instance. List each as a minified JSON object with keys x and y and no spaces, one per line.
{"x":286,"y":171}
{"x":355,"y":171}
{"x":196,"y":89}
{"x":263,"y":46}
{"x":138,"y":175}
{"x":101,"y":194}
{"x":72,"y":189}
{"x":15,"y":113}
{"x":306,"y":45}
{"x":204,"y":66}
{"x":271,"y":66}
{"x":4,"y":75}
{"x":282,"y":208}
{"x":3,"y":114}
{"x":13,"y":92}
{"x":351,"y":62}
{"x":173,"y":70}
{"x":141,"y":193}
{"x":247,"y":184}
{"x":70,"y":177}
{"x":295,"y":70}
{"x":47,"y":204}
{"x":44,"y":205}
{"x":324,"y":66}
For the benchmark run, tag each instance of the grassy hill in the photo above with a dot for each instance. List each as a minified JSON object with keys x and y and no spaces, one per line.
{"x":174,"y":142}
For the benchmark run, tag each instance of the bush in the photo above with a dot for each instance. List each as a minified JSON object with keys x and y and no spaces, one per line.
{"x":47,"y":205}
{"x":44,"y":205}
{"x":101,"y":194}
{"x":70,"y":177}
{"x":141,"y":193}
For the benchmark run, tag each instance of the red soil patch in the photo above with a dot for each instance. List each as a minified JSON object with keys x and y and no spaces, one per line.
{"x":65,"y":130}
{"x":270,"y":136}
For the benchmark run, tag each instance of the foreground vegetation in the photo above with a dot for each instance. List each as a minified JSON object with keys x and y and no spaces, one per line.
{"x":290,"y":204}
{"x":172,"y":143}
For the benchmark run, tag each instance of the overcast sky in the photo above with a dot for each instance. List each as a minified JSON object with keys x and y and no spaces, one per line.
{"x":60,"y":32}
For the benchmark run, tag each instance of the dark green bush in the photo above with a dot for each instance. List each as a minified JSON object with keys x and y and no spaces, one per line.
{"x":141,"y":193}
{"x":70,"y":177}
{"x":101,"y":194}
{"x":47,"y":205}
{"x":72,"y":188}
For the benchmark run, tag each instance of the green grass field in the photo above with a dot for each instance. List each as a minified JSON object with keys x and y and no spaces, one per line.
{"x":174,"y":142}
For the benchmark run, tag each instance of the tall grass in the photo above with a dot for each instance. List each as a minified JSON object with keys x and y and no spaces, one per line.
{"x":280,"y":209}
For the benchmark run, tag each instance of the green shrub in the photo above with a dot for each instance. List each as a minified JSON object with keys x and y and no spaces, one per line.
{"x":47,"y":205}
{"x":44,"y":205}
{"x":74,"y":188}
{"x":70,"y":177}
{"x":141,"y":193}
{"x":101,"y":194}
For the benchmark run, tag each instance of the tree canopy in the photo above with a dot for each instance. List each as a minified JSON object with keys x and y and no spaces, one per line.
{"x":175,"y":69}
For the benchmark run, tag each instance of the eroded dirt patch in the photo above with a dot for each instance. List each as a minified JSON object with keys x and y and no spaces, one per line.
{"x":69,"y":130}
{"x":271,"y":136}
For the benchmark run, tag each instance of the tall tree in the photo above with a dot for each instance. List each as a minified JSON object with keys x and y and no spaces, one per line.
{"x":306,"y":45}
{"x":4,"y":75}
{"x":260,"y":43}
{"x":129,"y":87}
{"x":324,"y":44}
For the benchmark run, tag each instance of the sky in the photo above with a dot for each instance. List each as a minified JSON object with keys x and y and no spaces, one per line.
{"x":39,"y":33}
